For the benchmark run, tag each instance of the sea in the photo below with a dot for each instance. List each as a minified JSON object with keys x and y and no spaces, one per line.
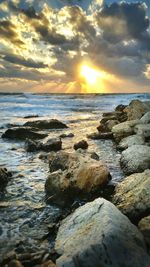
{"x":24,"y":214}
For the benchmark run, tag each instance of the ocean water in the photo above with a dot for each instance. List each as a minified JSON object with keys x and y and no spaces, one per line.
{"x":24,"y":216}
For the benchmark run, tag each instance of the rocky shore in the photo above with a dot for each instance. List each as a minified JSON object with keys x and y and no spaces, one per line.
{"x":100,"y":224}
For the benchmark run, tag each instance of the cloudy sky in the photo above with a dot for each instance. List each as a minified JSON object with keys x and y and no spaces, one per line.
{"x":45,"y":44}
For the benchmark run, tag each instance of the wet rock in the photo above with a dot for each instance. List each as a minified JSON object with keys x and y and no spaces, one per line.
{"x":52,"y":144}
{"x":136,"y":109}
{"x":69,"y":135}
{"x":146,"y":118}
{"x":95,"y":156}
{"x":31,"y":116}
{"x":143,"y":129}
{"x":120,"y":107}
{"x":15,"y":263}
{"x":144,"y":227}
{"x":5,"y":176}
{"x":136,"y":158}
{"x":131,"y":140}
{"x":46,"y":124}
{"x":93,"y":235}
{"x":97,"y":136}
{"x":21,"y":133}
{"x":132,"y":196}
{"x":111,"y":123}
{"x":124,"y":129}
{"x":8,"y":258}
{"x":121,"y":116}
{"x":81,"y":144}
{"x":47,"y":264}
{"x":74,"y":175}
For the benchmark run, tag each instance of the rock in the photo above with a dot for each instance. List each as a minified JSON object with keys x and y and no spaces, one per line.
{"x":136,"y":158}
{"x":98,"y":234}
{"x":5,"y":176}
{"x":136,"y":109}
{"x":74,"y":175}
{"x":47,"y":264}
{"x":96,"y":136}
{"x":120,"y":107}
{"x":111,"y":123}
{"x":46,"y":124}
{"x":69,"y":135}
{"x":31,"y":116}
{"x":95,"y":156}
{"x":143,"y":129}
{"x":124,"y":129}
{"x":81,"y":144}
{"x":52,"y":144}
{"x":21,"y":133}
{"x":132,"y":196}
{"x":146,"y":118}
{"x":121,"y":116}
{"x":131,"y":140}
{"x":144,"y":227}
{"x":15,"y":263}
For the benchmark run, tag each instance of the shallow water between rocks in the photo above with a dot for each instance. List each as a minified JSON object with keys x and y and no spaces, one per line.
{"x":24,"y":215}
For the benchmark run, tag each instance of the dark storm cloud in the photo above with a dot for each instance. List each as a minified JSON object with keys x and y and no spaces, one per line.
{"x":131,"y":19}
{"x":23,"y":62}
{"x":8,"y":31}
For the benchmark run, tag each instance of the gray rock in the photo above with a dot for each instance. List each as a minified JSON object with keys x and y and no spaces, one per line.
{"x":143,"y":129}
{"x":131,"y":140}
{"x":146,"y":118}
{"x":21,"y":133}
{"x":136,"y":109}
{"x":132,"y":195}
{"x":144,"y":227}
{"x":98,"y":234}
{"x":136,"y":158}
{"x":97,"y":136}
{"x":46,"y":124}
{"x":124,"y":129}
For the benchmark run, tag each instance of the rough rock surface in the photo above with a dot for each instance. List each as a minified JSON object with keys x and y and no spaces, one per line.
{"x":98,"y":234}
{"x":136,"y":158}
{"x":143,"y":129}
{"x":132,"y":196}
{"x":21,"y":133}
{"x":66,"y":135}
{"x":144,"y":226}
{"x":5,"y":176}
{"x":130,"y":141}
{"x":52,"y":144}
{"x":136,"y":109}
{"x":98,"y":135}
{"x":146,"y":118}
{"x":81,"y":144}
{"x":74,"y":174}
{"x":124,"y":129}
{"x":46,"y":124}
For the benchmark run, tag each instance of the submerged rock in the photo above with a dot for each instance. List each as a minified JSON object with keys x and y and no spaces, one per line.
{"x":81,"y":144}
{"x":131,"y":140}
{"x":5,"y":176}
{"x":46,"y":124}
{"x":136,"y":158}
{"x":52,"y":144}
{"x":21,"y":133}
{"x":144,"y":227}
{"x":98,"y":234}
{"x":67,"y":135}
{"x":74,"y":175}
{"x":132,"y":196}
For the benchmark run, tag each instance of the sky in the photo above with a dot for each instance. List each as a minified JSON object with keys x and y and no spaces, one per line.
{"x":69,"y":46}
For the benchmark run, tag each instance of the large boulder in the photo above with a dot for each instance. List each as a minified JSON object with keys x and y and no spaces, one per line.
{"x":5,"y":176}
{"x":124,"y":129}
{"x":136,"y":158}
{"x":98,"y":234}
{"x":136,"y":109}
{"x":146,"y":118}
{"x":143,"y":129}
{"x":21,"y":133}
{"x":74,"y":175}
{"x":130,"y":141}
{"x":132,"y":196}
{"x":144,"y":226}
{"x":46,"y":124}
{"x":52,"y":144}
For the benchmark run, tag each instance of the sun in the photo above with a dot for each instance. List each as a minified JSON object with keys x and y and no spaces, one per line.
{"x":89,"y":73}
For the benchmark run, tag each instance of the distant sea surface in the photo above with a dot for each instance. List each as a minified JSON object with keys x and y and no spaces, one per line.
{"x":23,"y":213}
